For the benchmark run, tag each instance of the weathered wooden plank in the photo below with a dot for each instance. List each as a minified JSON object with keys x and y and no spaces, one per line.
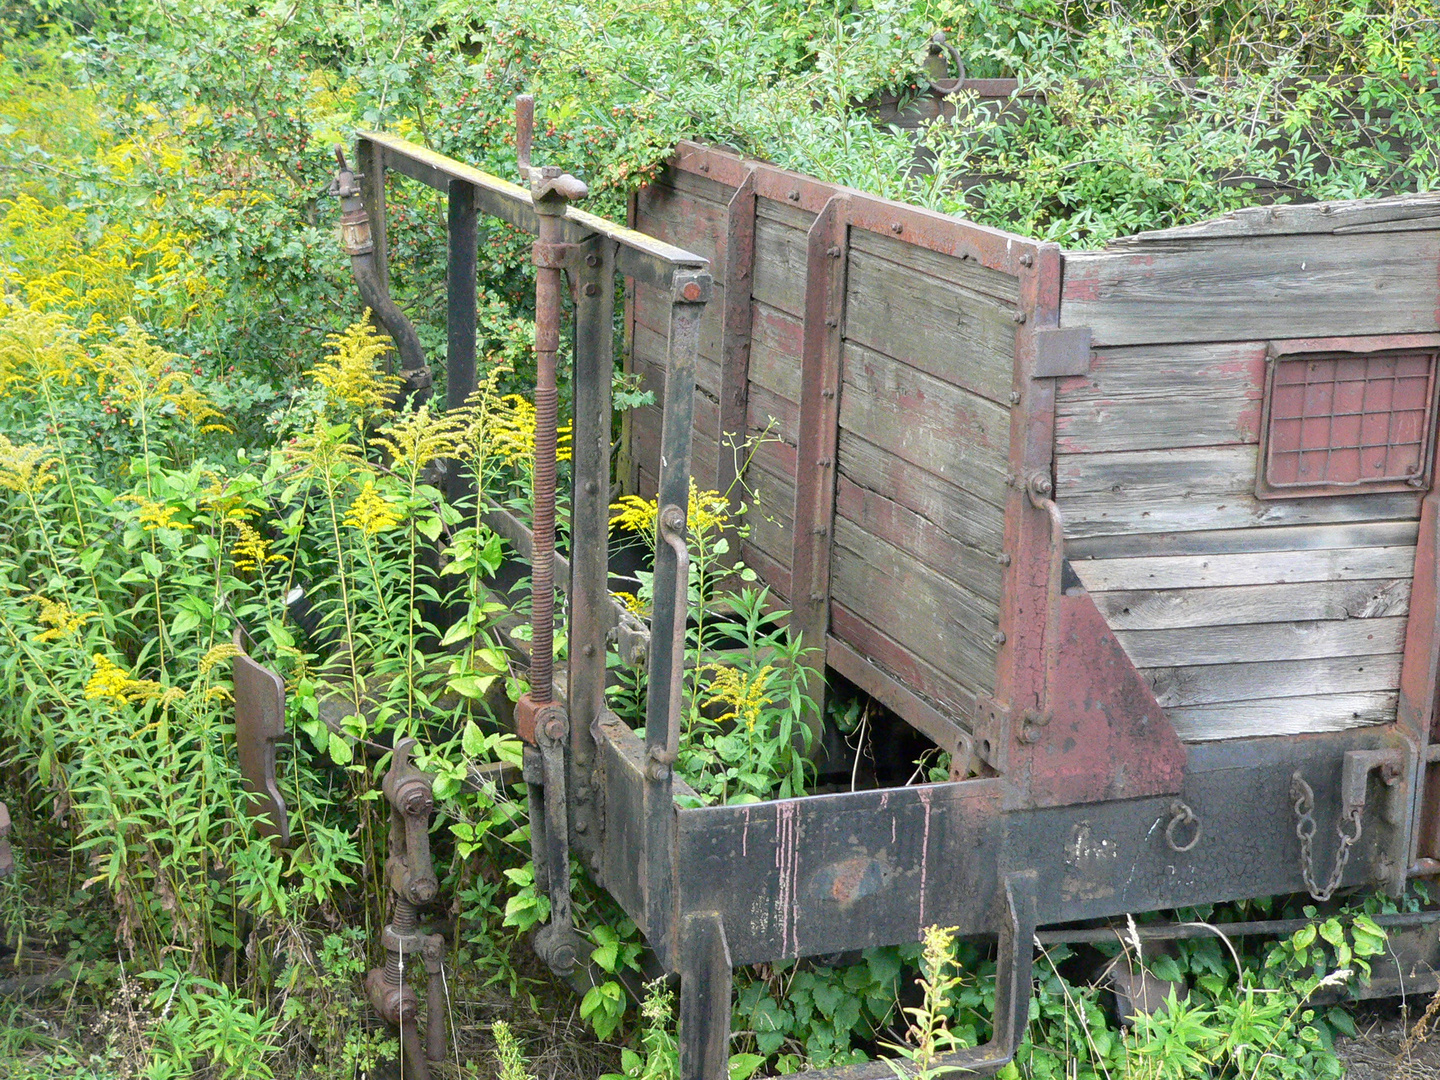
{"x":949,"y":695}
{"x":963,"y":337}
{"x":1192,"y":645}
{"x":652,"y":311}
{"x":1199,"y":488}
{"x":693,"y":184}
{"x":1177,"y":687}
{"x":1255,"y":287}
{"x":966,"y":273}
{"x":771,"y":417}
{"x":1247,"y":568}
{"x":1147,"y":609}
{"x":1282,"y":716}
{"x":1160,"y":396}
{"x":682,"y":219}
{"x":978,"y":571}
{"x":955,"y":434}
{"x":1229,"y":541}
{"x":775,"y":340}
{"x":953,"y":510}
{"x":1321,"y":217}
{"x":779,"y":263}
{"x":944,"y":624}
{"x":783,"y":213}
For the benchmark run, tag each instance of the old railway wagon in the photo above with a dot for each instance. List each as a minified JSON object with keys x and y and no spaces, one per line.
{"x":1144,"y":537}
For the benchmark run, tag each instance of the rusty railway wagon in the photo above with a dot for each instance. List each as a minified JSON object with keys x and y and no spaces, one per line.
{"x":1144,"y":537}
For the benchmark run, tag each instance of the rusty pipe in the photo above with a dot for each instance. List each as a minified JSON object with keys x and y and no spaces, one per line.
{"x":359,"y":243}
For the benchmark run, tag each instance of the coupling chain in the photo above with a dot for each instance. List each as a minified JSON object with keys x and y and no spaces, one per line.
{"x":1305,"y":828}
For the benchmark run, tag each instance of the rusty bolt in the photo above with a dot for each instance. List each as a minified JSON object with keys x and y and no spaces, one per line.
{"x":657,"y":771}
{"x":704,"y":166}
{"x":555,"y":729}
{"x":834,"y":251}
{"x":827,"y":393}
{"x":1029,"y":735}
{"x":691,"y":291}
{"x":998,"y":637}
{"x":1027,"y":259}
{"x":591,"y":487}
{"x":1019,"y":317}
{"x":816,"y":597}
{"x":589,"y":650}
{"x":832,"y":322}
{"x":592,"y":289}
{"x":1014,"y":397}
{"x":823,"y":462}
{"x":582,"y":826}
{"x":896,"y":228}
{"x":1003,"y":558}
{"x":592,"y":260}
{"x":794,"y":196}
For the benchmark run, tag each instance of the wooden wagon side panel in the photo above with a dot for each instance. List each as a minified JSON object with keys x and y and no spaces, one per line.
{"x":1248,"y":616}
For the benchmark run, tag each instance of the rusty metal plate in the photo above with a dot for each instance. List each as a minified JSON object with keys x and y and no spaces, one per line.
{"x":1339,"y":422}
{"x":259,"y":723}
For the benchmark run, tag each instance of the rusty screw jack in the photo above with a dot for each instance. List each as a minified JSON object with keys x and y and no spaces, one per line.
{"x":412,"y":880}
{"x":540,"y":720}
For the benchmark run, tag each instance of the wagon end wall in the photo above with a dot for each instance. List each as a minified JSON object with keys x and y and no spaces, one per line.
{"x":871,"y":388}
{"x":1253,"y":609}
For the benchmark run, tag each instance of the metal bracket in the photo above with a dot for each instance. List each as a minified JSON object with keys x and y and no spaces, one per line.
{"x":1394,"y":765}
{"x":1061,"y":351}
{"x":992,"y":727}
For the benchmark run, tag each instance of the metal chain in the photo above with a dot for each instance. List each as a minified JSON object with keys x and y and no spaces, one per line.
{"x":1305,"y":827}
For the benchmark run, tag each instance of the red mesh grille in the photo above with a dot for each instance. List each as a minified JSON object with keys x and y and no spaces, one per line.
{"x":1342,"y":421}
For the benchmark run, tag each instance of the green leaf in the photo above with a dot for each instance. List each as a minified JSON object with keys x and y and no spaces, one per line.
{"x":184,"y":622}
{"x":743,"y":1066}
{"x":429,"y":527}
{"x":153,"y":566}
{"x":471,"y":686}
{"x":341,"y":752}
{"x":472,"y":742}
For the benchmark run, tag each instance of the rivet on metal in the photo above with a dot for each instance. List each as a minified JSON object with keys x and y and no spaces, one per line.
{"x":794,"y":196}
{"x":691,"y":291}
{"x":1014,"y":397}
{"x":827,"y":393}
{"x":592,"y":289}
{"x":823,"y":462}
{"x":832,"y":323}
{"x":816,"y":597}
{"x":834,"y":251}
{"x":1019,"y":316}
{"x":592,"y":260}
{"x":1003,"y":558}
{"x":998,"y":637}
{"x":1027,"y":259}
{"x":896,"y":227}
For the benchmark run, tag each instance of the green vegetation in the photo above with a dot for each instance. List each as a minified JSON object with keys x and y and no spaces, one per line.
{"x":195,"y":419}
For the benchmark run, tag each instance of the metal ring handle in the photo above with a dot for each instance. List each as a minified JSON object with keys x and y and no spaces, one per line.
{"x":1182,"y":816}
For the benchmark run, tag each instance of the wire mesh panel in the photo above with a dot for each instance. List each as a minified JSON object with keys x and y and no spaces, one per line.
{"x":1341,"y":422}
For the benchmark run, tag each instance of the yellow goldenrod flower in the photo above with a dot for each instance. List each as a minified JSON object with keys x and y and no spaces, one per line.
{"x":351,"y":374}
{"x":513,"y":432}
{"x":631,"y":602}
{"x":251,"y":551}
{"x":709,"y":512}
{"x":371,"y":513}
{"x":39,"y":349}
{"x":746,"y":694}
{"x":145,"y":376}
{"x":321,"y":449}
{"x":112,"y":682}
{"x":153,"y":515}
{"x":26,"y":469}
{"x":62,"y":621}
{"x":218,"y":654}
{"x":418,"y":438}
